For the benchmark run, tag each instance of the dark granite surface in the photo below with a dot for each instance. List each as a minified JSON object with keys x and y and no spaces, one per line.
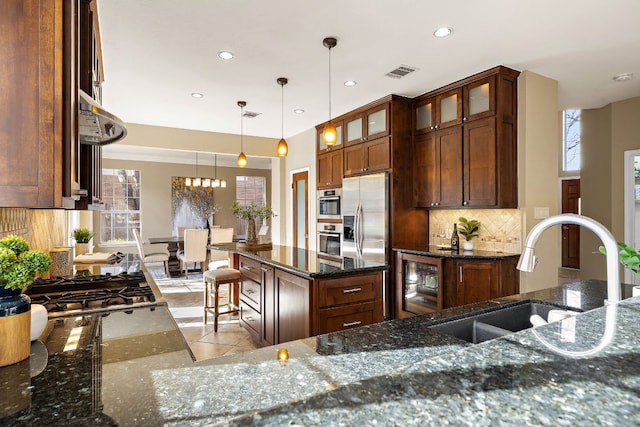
{"x":134,"y":369}
{"x":438,"y":252}
{"x":304,"y":262}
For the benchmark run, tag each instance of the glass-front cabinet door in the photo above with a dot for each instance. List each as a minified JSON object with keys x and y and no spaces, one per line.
{"x":449,"y":108}
{"x":321,"y":145}
{"x":377,"y":122}
{"x":353,"y":129}
{"x":424,"y":116}
{"x":479,"y":99}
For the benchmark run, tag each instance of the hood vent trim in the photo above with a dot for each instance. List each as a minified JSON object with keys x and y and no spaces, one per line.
{"x":95,"y":125}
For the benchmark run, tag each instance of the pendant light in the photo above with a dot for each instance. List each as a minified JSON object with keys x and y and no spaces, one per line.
{"x":282,"y":148}
{"x":329,"y":133}
{"x":217,"y":183}
{"x":194,"y":182}
{"x":242,"y":159}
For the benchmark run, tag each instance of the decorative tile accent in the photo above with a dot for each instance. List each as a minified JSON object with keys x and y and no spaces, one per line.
{"x":500,"y":229}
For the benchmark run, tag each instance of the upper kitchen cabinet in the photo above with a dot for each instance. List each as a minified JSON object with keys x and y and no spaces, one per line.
{"x":470,"y":150}
{"x":329,"y":169}
{"x":38,"y":99}
{"x":368,"y":124}
{"x":90,"y":82}
{"x":321,"y":147}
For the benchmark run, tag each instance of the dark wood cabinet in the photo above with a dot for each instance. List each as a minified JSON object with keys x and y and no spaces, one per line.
{"x":367,"y":125}
{"x":267,"y":275}
{"x":367,"y":157}
{"x":38,"y":97}
{"x":349,"y":302}
{"x":329,"y":169}
{"x":428,"y":283}
{"x":293,"y":307}
{"x":471,"y":144}
{"x":251,"y":297}
{"x":321,"y":147}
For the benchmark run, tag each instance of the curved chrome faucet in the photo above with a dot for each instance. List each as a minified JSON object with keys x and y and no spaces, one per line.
{"x":528,"y":260}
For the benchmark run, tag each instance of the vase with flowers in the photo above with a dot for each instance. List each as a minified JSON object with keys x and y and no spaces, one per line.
{"x":250,"y":212}
{"x":19,"y":266}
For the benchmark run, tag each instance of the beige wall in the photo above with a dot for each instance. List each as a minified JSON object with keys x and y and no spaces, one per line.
{"x":302,"y":156}
{"x":606,"y":134}
{"x":538,"y":172}
{"x":155,"y":204}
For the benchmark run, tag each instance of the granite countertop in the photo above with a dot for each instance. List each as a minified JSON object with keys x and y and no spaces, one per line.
{"x":442,"y":252}
{"x":134,"y":368}
{"x":304,"y":262}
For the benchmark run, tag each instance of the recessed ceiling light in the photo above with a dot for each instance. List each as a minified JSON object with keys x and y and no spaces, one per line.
{"x":298,"y":111}
{"x":197,"y":95}
{"x":225,"y":54}
{"x":623,"y":77}
{"x":350,"y":83}
{"x":443,"y":32}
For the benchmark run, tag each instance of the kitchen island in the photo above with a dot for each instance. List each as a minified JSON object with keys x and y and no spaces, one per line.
{"x":134,"y":369}
{"x":288,"y":293}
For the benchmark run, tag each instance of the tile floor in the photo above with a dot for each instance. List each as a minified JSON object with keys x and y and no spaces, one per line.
{"x":185,"y":300}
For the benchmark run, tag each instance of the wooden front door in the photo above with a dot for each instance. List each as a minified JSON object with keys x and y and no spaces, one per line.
{"x":571,"y":232}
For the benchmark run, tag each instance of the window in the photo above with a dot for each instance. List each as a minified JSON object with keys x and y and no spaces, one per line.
{"x":249,"y":189}
{"x":121,"y":196}
{"x":571,"y":140}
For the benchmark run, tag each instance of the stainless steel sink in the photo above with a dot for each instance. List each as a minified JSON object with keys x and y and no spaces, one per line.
{"x":489,"y":324}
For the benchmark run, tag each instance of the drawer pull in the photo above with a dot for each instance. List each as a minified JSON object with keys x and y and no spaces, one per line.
{"x":248,"y":319}
{"x":352,"y":290}
{"x":247,"y":267}
{"x":248,"y":291}
{"x":354,"y":323}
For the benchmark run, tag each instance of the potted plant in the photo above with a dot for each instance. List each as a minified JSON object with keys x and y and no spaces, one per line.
{"x":250,"y":213}
{"x":19,"y":266}
{"x":469,"y":229}
{"x":82,"y":236}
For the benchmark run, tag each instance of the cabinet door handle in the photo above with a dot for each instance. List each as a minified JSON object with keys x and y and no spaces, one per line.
{"x":465,"y":203}
{"x":354,"y":323}
{"x":460,"y":273}
{"x":464,"y":119}
{"x":436,"y":127}
{"x":352,"y":290}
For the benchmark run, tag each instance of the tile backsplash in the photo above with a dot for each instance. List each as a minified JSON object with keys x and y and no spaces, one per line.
{"x":44,"y":229}
{"x":500,"y":229}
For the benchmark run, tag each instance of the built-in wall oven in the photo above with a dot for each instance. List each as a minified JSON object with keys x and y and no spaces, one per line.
{"x":330,"y":239}
{"x":329,"y":204}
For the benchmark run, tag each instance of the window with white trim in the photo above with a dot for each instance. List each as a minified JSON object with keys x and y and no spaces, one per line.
{"x":571,"y":140}
{"x":121,"y":196}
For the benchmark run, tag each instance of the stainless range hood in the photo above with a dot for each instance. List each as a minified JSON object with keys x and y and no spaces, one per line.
{"x":95,"y":125}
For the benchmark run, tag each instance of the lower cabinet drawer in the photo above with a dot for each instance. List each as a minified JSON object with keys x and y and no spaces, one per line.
{"x":350,"y":316}
{"x":250,"y":319}
{"x":338,"y":291}
{"x":250,"y":292}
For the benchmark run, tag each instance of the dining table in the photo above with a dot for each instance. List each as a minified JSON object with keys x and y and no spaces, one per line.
{"x":174,"y":244}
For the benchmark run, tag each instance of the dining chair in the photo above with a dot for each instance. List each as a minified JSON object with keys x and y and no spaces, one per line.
{"x":195,"y":248}
{"x":151,"y":253}
{"x":217,"y":258}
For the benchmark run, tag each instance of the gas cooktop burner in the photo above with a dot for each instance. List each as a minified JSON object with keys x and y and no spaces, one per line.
{"x":78,"y":283}
{"x":89,"y":294}
{"x":96,"y":300}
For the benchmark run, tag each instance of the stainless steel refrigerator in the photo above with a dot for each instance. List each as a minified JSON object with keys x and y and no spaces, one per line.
{"x":365,"y":214}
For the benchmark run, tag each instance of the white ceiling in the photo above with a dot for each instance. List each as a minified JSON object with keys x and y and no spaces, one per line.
{"x":157,"y":52}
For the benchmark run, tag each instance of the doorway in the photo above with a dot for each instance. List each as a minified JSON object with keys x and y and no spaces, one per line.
{"x":300,"y":201}
{"x":631,"y":206}
{"x":571,"y":232}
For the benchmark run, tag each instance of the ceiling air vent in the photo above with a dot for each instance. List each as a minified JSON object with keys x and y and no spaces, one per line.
{"x":250,"y":114}
{"x":401,"y":71}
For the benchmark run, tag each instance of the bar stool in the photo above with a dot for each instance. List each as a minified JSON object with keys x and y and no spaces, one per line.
{"x":212,"y":281}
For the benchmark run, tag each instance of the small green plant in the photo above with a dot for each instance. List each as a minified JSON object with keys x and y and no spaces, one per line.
{"x":19,"y":265}
{"x":82,"y":235}
{"x":628,"y":257}
{"x":468,"y":228}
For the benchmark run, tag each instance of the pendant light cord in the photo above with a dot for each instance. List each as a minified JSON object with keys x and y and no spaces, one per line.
{"x":282,"y":111}
{"x":329,"y":84}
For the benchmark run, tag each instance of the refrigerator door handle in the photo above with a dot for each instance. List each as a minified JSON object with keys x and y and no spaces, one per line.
{"x":361,"y":229}
{"x":358,"y":231}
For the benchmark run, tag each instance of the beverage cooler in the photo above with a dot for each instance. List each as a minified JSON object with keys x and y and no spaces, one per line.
{"x":419,"y":284}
